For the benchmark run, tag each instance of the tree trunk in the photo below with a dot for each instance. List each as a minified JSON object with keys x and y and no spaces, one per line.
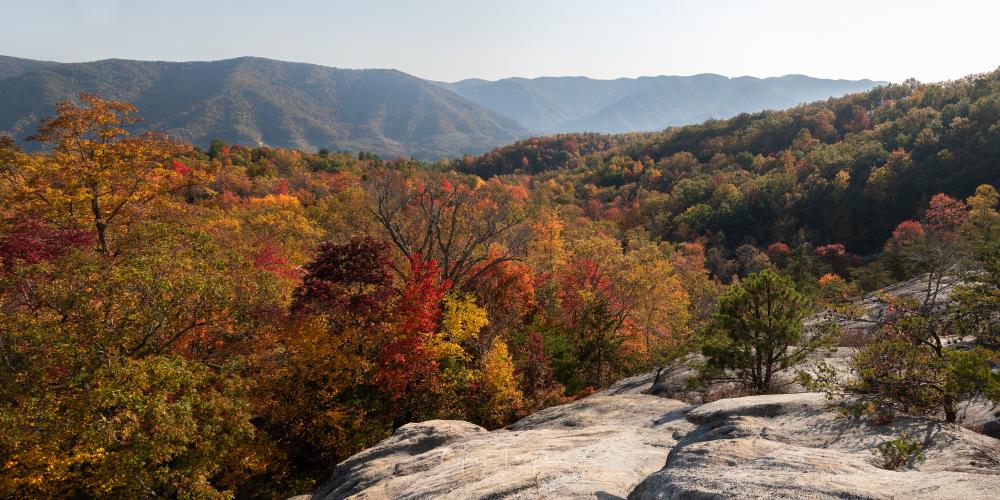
{"x":950,"y":413}
{"x":100,"y":225}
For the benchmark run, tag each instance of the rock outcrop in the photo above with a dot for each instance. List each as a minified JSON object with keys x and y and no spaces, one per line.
{"x":622,"y":442}
{"x":597,"y":446}
{"x":793,"y":446}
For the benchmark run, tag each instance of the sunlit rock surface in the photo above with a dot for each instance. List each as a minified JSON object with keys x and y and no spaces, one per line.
{"x":623,"y":443}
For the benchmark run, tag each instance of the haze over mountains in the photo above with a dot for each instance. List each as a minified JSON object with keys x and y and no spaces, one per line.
{"x":579,"y":104}
{"x":262,"y":101}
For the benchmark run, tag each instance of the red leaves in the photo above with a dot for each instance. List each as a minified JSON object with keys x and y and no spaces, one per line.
{"x":180,"y":167}
{"x":945,"y":215}
{"x":406,"y":364}
{"x":420,"y":298}
{"x":352,"y":282}
{"x":281,"y":187}
{"x":908,"y":232}
{"x":506,"y":290}
{"x":778,"y":253}
{"x":33,"y":241}
{"x":353,"y":285}
{"x":837,"y":257}
{"x":586,"y":276}
{"x":518,"y":192}
{"x":268,"y":257}
{"x":534,"y":368}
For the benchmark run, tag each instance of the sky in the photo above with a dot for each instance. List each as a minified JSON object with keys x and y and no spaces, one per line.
{"x":449,"y":40}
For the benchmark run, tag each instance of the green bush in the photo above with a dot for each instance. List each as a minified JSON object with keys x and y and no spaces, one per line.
{"x":757,"y":331}
{"x":898,"y":452}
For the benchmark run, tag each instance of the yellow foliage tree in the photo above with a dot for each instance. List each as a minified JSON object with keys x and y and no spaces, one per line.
{"x":282,"y":221}
{"x":501,"y":397}
{"x":461,"y":320}
{"x":97,"y":173}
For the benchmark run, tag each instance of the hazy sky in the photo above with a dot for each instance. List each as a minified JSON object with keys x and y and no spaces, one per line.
{"x":454,"y":39}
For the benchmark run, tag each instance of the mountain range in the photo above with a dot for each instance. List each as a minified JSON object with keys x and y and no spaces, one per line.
{"x":257,"y":101}
{"x":578,"y":104}
{"x":262,"y":101}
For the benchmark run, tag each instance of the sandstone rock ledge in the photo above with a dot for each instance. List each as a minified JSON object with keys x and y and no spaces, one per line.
{"x":622,"y":443}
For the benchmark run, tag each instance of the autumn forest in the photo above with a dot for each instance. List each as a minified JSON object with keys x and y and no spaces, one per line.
{"x":226,"y":320}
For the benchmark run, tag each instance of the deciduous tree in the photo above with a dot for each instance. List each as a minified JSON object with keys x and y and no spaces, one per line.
{"x":96,"y":172}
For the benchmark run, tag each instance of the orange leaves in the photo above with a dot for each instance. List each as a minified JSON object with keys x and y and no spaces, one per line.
{"x":836,"y":294}
{"x":447,"y":218}
{"x":94,"y":162}
{"x":507,"y":291}
{"x":99,"y":120}
{"x":907,"y":233}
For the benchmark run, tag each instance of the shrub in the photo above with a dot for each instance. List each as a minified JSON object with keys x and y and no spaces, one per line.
{"x":896,"y":453}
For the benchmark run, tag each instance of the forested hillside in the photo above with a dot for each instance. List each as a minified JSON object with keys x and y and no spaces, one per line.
{"x":178,"y":321}
{"x":14,"y":66}
{"x":841,"y":171}
{"x":259,"y":101}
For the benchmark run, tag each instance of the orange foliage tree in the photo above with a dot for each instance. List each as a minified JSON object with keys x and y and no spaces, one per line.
{"x":97,"y":172}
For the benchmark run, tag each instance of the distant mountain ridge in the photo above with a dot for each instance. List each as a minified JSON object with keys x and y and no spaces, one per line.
{"x":580,"y":104}
{"x":14,"y":66}
{"x":257,"y":101}
{"x":262,"y":101}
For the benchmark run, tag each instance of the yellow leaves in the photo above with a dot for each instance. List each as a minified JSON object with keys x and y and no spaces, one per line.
{"x":158,"y":424}
{"x":881,"y":182}
{"x":96,"y":173}
{"x":984,"y":200}
{"x":280,"y":220}
{"x":984,"y":220}
{"x":643,"y":289}
{"x":548,"y":246}
{"x":842,"y":180}
{"x":275,"y":202}
{"x":461,"y":321}
{"x":502,"y":398}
